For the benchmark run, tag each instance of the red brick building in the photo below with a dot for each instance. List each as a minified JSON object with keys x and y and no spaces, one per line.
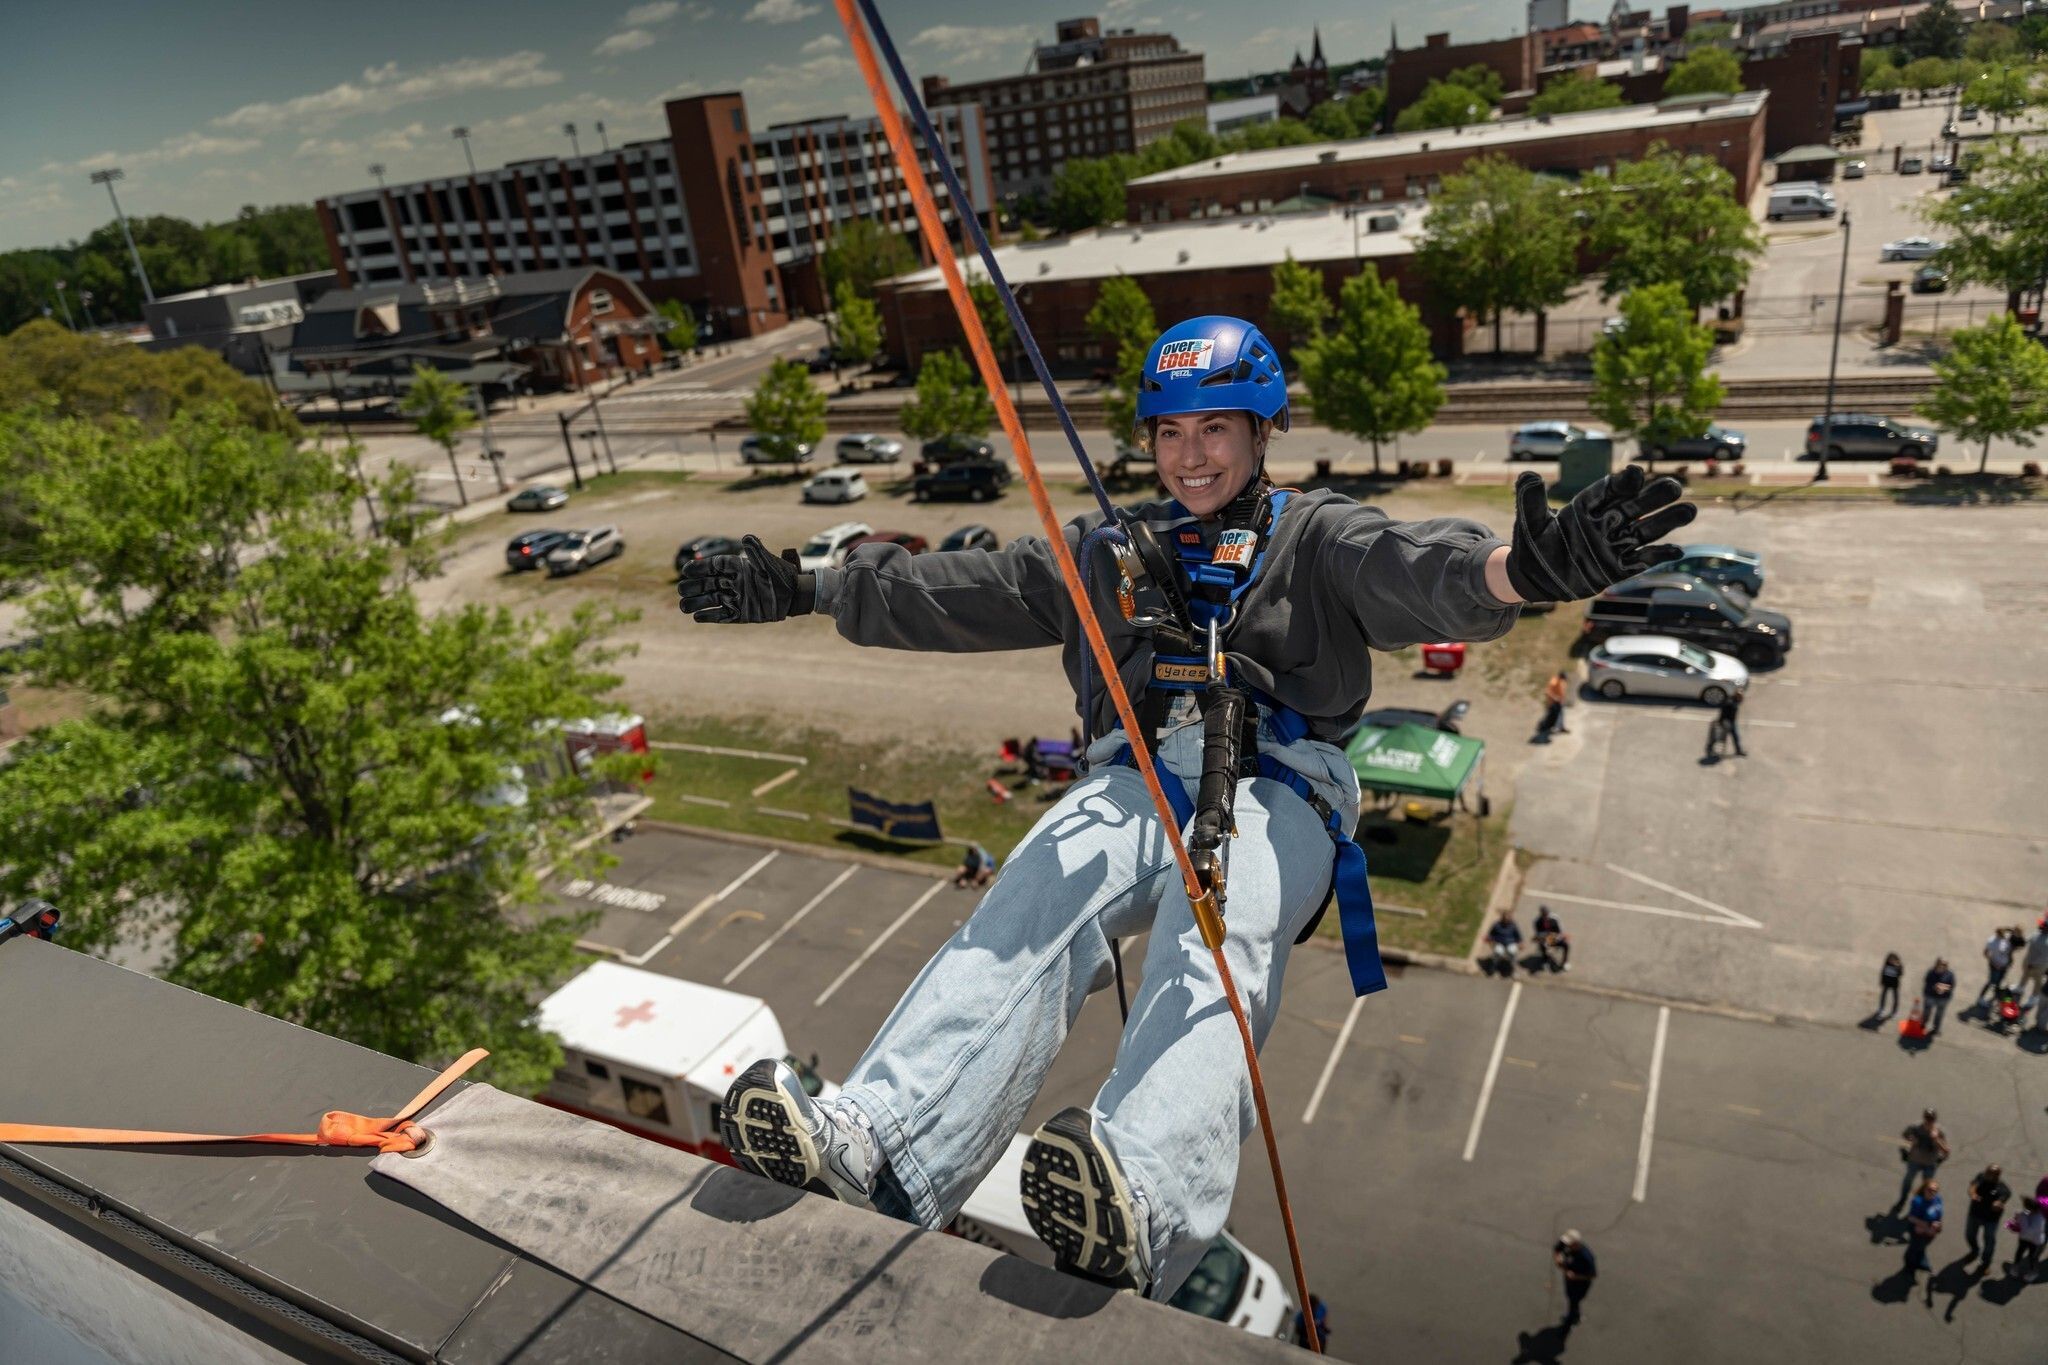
{"x":1410,"y":70}
{"x":1409,"y":166}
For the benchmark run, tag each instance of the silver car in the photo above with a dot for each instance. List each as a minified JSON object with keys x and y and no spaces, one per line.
{"x":868,"y":448}
{"x":1543,"y":440}
{"x":583,"y":549}
{"x":1662,"y":666}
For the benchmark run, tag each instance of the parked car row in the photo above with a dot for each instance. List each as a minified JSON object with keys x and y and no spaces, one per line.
{"x":1691,"y":609}
{"x":564,"y":552}
{"x":864,"y":447}
{"x":1547,"y":441}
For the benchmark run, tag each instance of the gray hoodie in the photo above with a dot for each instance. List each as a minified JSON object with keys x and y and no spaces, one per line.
{"x":1339,"y":578}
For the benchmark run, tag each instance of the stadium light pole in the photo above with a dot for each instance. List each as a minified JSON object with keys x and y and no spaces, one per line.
{"x":575,"y":147}
{"x":601,"y":135}
{"x":377,"y":169}
{"x":1827,"y":416}
{"x":107,"y":177}
{"x":461,"y":135}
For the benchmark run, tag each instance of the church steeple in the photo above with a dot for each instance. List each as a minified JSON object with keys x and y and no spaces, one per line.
{"x":1316,"y":57}
{"x":1393,"y":36}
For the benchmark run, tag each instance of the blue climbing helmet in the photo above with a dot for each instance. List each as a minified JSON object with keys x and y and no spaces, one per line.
{"x":1213,"y":364}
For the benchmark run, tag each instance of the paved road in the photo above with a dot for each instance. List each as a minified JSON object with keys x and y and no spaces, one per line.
{"x":1740,"y":1227}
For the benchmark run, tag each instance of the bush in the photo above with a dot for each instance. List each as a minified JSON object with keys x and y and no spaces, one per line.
{"x":2030,"y":470}
{"x":1905,"y":467}
{"x":1943,"y":472}
{"x":1443,"y":468}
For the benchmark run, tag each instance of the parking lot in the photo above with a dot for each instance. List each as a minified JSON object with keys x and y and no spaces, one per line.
{"x":1439,"y":1136}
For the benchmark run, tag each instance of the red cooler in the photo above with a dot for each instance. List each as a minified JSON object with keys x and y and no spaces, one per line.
{"x":1445,"y":657}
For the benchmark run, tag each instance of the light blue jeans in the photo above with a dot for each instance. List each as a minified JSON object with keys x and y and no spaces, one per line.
{"x":952,"y":1072}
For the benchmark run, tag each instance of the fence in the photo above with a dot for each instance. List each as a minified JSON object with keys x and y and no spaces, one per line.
{"x":1771,"y":314}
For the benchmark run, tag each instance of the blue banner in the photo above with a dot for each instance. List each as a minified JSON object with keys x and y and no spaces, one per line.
{"x":915,"y":820}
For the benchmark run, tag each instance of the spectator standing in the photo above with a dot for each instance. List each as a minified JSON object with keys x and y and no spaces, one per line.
{"x":1552,"y":941}
{"x":1923,"y":1221}
{"x":1935,"y":989}
{"x":1572,"y":1256}
{"x":1724,"y":729}
{"x":2031,"y":1227}
{"x":1988,"y":1196}
{"x":1926,"y":1148}
{"x":1321,"y":1313}
{"x":1888,"y":978}
{"x":2034,"y":966}
{"x":1554,"y":693}
{"x":1997,"y":961}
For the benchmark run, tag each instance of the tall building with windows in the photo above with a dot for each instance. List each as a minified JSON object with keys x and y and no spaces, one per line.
{"x":726,"y":220}
{"x":1086,"y":94}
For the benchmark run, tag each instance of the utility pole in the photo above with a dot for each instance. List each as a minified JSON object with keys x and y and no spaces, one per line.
{"x":107,"y":178}
{"x":574,"y":146}
{"x":569,"y":444}
{"x":65,"y":304}
{"x":1827,"y":417}
{"x":491,"y":451}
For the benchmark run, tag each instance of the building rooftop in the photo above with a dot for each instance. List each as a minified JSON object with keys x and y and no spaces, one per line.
{"x":1262,"y":239}
{"x":1244,"y":107}
{"x":1478,"y":138}
{"x":216,"y":290}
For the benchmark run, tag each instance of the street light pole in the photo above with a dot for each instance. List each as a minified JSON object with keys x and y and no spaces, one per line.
{"x":461,"y":135}
{"x":377,"y":169}
{"x":601,"y":135}
{"x":1827,"y":417}
{"x":85,"y":302}
{"x":574,"y":146}
{"x":65,"y":304}
{"x":108,"y":177}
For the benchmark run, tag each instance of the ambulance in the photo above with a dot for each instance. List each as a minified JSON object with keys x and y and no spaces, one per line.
{"x":1230,"y":1284}
{"x":654,"y":1055}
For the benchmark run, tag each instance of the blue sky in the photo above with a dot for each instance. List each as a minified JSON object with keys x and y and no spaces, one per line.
{"x":208,"y":105}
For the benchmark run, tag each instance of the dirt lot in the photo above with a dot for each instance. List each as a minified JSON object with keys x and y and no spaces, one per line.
{"x":802,"y":669}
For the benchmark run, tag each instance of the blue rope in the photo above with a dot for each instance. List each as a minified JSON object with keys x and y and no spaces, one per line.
{"x":963,"y":209}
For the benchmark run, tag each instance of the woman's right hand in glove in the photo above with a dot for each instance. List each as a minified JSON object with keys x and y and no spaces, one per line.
{"x":750,"y":587}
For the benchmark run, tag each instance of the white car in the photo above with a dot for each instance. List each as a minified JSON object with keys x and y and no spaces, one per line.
{"x":1544,"y":440}
{"x":759,"y":449}
{"x":1855,"y":170}
{"x":836,"y":485}
{"x":868,"y":448}
{"x":1910,"y":249}
{"x":1662,"y":666}
{"x":584,"y":548}
{"x":827,"y":549}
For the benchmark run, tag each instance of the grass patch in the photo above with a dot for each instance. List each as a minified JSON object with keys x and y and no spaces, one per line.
{"x":953,"y":778}
{"x":1445,"y":868}
{"x":1536,"y":646}
{"x":32,"y":708}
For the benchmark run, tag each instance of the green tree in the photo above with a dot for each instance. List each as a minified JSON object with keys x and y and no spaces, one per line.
{"x":995,"y":321}
{"x":1332,"y":121}
{"x":1365,"y":109}
{"x":863,"y":253}
{"x":1259,"y":137}
{"x":1996,"y":225}
{"x":1705,"y":70}
{"x":2002,"y":92}
{"x":1500,"y":239}
{"x":1444,"y":104}
{"x":1990,"y":41}
{"x":1650,"y":378}
{"x":950,"y":400}
{"x":681,"y":333}
{"x":1699,"y":35}
{"x":44,"y":366}
{"x":1371,"y":376}
{"x":1122,"y":319}
{"x":1876,"y":59}
{"x":1088,"y":192}
{"x":441,"y":408}
{"x":1575,"y":92}
{"x":291,"y":776}
{"x":1927,"y":74}
{"x":1481,"y":79}
{"x":1936,"y":31}
{"x":1673,"y":218}
{"x":1299,"y":305}
{"x":1992,"y":385}
{"x":2032,"y":34}
{"x":859,"y":332}
{"x":1883,"y":79}
{"x":787,"y":409}
{"x":1186,"y":143}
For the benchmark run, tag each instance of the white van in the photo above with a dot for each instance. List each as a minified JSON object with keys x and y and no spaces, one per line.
{"x":654,"y":1056}
{"x":1230,"y":1284}
{"x":1802,"y":199}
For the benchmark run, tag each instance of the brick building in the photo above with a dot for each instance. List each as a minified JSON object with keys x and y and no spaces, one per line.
{"x":1088,"y":94}
{"x":1185,"y":269}
{"x":1409,"y":166}
{"x":1410,"y":70}
{"x":724,"y":219}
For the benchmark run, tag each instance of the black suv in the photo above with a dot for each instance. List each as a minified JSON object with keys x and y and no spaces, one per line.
{"x":952,"y":449}
{"x":1684,"y":606}
{"x":1854,"y":434}
{"x":975,"y":480}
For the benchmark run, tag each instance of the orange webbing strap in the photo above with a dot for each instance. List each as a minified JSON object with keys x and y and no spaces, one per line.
{"x":1200,"y":899}
{"x":338,"y":1127}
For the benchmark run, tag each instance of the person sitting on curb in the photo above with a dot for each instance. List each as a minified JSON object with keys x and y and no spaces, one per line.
{"x":1552,"y":941}
{"x":1506,"y":938}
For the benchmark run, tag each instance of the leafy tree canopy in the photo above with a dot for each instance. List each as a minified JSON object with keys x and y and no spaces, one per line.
{"x":787,"y":409}
{"x":1371,"y":375}
{"x":1650,"y":379}
{"x":1500,"y":239}
{"x":682,"y":325}
{"x":1992,"y":385}
{"x":863,"y":254}
{"x":1122,"y":317}
{"x":1936,"y":31}
{"x":1996,"y":225}
{"x":1672,"y":218}
{"x":1705,"y":70}
{"x":950,"y":400}
{"x":859,"y":330}
{"x":1575,"y":92}
{"x":1444,"y":104}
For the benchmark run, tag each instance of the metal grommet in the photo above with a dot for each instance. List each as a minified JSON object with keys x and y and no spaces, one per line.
{"x":424,"y":1140}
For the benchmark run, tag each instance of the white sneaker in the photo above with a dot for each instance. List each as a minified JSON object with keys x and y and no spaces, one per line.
{"x":1078,"y":1202}
{"x":775,"y":1129}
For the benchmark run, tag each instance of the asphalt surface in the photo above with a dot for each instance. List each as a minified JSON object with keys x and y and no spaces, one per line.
{"x":1744,"y":1220}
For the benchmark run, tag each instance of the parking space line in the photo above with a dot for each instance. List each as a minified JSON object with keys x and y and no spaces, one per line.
{"x":690,"y":916}
{"x":788,"y":925}
{"x":1722,"y":910}
{"x":1500,"y":1044}
{"x":1519,"y":1061}
{"x":1650,"y":1104}
{"x":1745,"y":1109}
{"x":1595,"y":901}
{"x":1308,"y":1115}
{"x":1409,"y":1038}
{"x":880,"y":939}
{"x":1696,"y":716}
{"x":772,"y":783}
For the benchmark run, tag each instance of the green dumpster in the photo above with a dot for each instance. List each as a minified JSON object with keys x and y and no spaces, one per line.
{"x":1584,"y":461}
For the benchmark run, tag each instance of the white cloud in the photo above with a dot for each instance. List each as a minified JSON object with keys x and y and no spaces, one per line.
{"x":389,"y":142}
{"x":630,"y":40}
{"x":697,"y":11}
{"x":779,"y":11}
{"x":182,"y":147}
{"x":780,"y":91}
{"x":386,"y":87}
{"x":658,"y":13}
{"x":824,"y":42}
{"x":977,"y":42}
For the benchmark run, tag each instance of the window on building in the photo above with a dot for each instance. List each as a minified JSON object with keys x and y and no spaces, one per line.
{"x":614,"y":203}
{"x":621,"y":232}
{"x":600,"y":302}
{"x":739,"y":123}
{"x":669,"y":195}
{"x":608,"y":171}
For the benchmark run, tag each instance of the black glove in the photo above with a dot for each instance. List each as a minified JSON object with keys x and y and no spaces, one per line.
{"x":1600,"y":537}
{"x":751,"y":587}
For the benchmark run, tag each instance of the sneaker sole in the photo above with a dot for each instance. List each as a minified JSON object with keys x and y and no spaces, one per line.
{"x":1076,"y":1201}
{"x":766,"y":1135}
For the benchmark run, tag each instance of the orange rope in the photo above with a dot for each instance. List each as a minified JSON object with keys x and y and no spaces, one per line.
{"x":338,"y":1127}
{"x":1199,"y":898}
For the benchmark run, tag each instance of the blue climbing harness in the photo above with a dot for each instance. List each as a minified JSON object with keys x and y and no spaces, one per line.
{"x":1212,"y":600}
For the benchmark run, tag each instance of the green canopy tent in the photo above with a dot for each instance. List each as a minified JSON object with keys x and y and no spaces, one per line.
{"x":1416,"y":760}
